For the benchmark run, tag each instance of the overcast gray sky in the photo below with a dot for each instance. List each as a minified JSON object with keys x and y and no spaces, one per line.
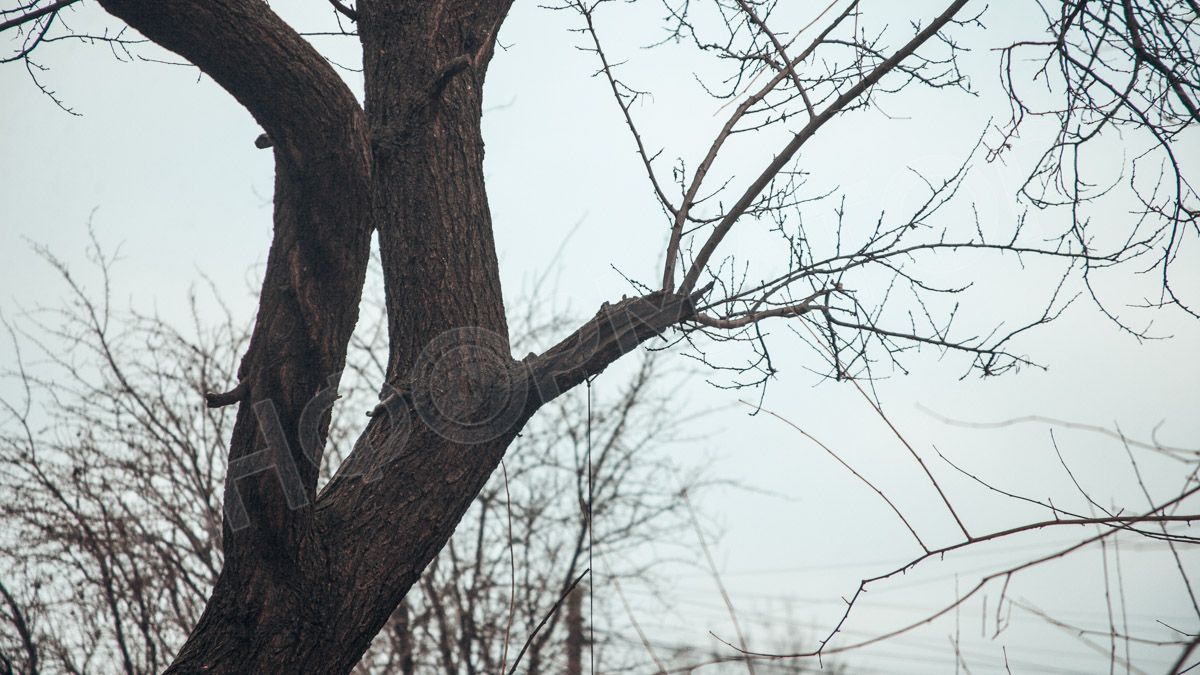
{"x":162,"y":163}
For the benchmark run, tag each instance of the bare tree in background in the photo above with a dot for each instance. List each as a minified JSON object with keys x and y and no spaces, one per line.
{"x":112,"y":467}
{"x":312,"y":571}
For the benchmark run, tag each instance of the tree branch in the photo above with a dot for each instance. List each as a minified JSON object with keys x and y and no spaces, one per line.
{"x":238,"y":394}
{"x":253,"y":54}
{"x":344,"y":10}
{"x":614,"y":331}
{"x":315,"y":269}
{"x":36,"y":14}
{"x":768,"y":174}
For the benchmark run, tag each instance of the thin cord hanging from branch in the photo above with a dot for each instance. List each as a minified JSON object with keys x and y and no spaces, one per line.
{"x":591,"y":606}
{"x":591,"y":539}
{"x":512,"y":559}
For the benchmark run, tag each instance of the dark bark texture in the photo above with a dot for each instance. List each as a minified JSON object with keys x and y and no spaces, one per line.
{"x":311,"y":578}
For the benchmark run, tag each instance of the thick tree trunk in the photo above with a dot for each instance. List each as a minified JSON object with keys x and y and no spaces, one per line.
{"x":424,"y":66}
{"x":310,"y":579}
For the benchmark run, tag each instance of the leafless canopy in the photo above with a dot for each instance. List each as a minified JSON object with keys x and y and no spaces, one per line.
{"x":1120,"y":72}
{"x":1096,"y":71}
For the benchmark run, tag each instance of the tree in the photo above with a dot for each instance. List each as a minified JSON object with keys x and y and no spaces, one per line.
{"x":311,"y":575}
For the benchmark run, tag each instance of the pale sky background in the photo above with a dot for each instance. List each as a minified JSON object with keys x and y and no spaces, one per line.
{"x":165,"y":161}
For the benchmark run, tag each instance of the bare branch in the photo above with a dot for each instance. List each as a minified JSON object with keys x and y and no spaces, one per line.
{"x":344,"y":10}
{"x":35,"y":14}
{"x":785,"y":155}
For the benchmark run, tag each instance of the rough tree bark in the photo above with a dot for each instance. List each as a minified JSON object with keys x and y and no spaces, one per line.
{"x":310,"y":578}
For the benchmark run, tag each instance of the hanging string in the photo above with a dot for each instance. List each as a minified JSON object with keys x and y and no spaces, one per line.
{"x":589,"y":572}
{"x":591,"y":541}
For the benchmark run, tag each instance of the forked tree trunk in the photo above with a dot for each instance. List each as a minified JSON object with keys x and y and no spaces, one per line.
{"x":309,"y":578}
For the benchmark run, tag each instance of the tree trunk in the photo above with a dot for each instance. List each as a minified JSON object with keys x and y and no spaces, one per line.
{"x":309,"y":579}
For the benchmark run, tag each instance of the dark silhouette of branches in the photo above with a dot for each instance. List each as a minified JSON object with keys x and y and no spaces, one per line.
{"x":1151,"y":523}
{"x":781,"y":81}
